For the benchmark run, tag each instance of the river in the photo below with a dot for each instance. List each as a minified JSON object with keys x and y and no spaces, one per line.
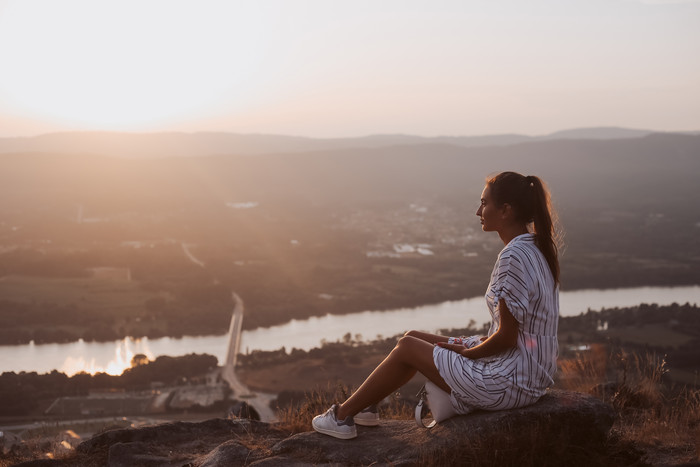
{"x":114,"y":357}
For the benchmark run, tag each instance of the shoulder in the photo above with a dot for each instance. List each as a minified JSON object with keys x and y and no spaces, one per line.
{"x":521,"y":257}
{"x":518,"y":249}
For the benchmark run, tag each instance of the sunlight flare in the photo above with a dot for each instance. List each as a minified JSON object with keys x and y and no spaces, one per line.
{"x":123,"y":354}
{"x":100,"y":65}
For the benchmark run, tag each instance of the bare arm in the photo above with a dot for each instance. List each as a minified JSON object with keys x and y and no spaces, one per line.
{"x":427,"y":337}
{"x":504,"y":338}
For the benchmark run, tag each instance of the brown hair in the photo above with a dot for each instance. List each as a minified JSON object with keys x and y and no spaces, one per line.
{"x":531,"y":203}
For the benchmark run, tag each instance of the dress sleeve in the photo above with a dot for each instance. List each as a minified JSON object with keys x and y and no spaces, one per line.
{"x":512,"y":284}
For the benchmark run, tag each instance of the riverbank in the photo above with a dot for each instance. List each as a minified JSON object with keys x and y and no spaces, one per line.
{"x":311,"y":333}
{"x":671,"y":332}
{"x":158,"y":330}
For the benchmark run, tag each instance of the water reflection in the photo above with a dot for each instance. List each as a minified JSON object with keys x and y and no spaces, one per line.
{"x":114,"y":357}
{"x":124,"y":351}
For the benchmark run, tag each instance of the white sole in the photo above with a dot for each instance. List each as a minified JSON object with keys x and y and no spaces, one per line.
{"x":334,"y":434}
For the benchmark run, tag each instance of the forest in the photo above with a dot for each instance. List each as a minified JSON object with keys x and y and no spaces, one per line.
{"x":26,"y":392}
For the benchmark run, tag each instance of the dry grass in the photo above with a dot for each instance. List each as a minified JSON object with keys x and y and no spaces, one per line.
{"x":296,"y":418}
{"x":585,"y":371}
{"x":649,"y":412}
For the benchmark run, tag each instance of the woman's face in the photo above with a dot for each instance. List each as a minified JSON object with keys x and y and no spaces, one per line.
{"x":489,"y":212}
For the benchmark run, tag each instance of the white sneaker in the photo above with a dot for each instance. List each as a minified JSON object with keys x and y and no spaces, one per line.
{"x":368,"y":416}
{"x":328,"y":424}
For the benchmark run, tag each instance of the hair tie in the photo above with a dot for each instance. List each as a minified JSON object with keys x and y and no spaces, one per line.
{"x":529,"y":179}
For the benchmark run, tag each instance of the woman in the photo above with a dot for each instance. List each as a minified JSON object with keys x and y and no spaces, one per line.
{"x":514,"y":364}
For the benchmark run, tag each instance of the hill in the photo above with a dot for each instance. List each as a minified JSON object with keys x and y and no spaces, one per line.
{"x":656,"y":169}
{"x":150,"y":145}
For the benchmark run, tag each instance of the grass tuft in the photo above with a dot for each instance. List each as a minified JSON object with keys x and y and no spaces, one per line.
{"x":296,"y":416}
{"x":650,"y":413}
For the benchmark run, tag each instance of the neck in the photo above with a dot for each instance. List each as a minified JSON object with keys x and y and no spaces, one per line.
{"x":511,"y":232}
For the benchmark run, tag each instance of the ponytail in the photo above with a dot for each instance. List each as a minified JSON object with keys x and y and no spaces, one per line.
{"x":531,"y":203}
{"x":545,"y":220}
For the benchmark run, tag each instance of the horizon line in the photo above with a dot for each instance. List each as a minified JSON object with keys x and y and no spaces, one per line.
{"x":369,"y":135}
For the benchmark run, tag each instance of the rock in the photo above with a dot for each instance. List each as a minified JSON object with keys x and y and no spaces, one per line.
{"x":563,"y":428}
{"x":69,"y":437}
{"x":180,"y":443}
{"x":557,"y":426}
{"x":138,"y":453}
{"x":279,"y":461}
{"x":398,"y":442}
{"x":216,"y":429}
{"x":41,"y":463}
{"x":229,"y":453}
{"x":243,"y":410}
{"x":8,"y":441}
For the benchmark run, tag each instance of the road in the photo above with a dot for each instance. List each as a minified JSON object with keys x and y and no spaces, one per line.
{"x":259,"y":401}
{"x":190,"y":256}
{"x":234,"y":331}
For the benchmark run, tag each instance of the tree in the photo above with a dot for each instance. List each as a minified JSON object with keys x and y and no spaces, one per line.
{"x":139,"y":359}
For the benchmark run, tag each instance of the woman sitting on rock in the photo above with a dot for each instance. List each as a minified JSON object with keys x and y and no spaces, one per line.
{"x":514,"y":364}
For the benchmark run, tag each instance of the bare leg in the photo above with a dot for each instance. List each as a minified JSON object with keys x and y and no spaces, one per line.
{"x":410,"y":355}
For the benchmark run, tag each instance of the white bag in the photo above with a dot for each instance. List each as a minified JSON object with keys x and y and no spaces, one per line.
{"x":437,"y":401}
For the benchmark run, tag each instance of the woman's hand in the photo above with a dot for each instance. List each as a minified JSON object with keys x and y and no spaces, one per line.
{"x":505,"y":338}
{"x":459,"y":348}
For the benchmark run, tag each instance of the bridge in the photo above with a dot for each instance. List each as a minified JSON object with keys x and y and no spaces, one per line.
{"x":258,"y":400}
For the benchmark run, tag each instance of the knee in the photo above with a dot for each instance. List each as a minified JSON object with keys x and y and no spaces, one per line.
{"x":399,"y":343}
{"x":407,"y":349}
{"x":405,"y":341}
{"x":411,"y":334}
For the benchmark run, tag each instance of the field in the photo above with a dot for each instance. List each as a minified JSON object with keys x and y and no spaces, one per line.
{"x":655,"y":335}
{"x":108,"y":291}
{"x":71,"y":306}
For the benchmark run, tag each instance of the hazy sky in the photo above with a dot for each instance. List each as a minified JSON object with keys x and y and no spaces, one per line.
{"x":329,"y":68}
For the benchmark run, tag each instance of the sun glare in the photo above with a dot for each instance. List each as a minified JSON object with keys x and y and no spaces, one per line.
{"x":123,"y":354}
{"x":128,"y":65}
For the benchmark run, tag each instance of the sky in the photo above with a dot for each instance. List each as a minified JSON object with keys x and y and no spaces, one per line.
{"x":343,"y":68}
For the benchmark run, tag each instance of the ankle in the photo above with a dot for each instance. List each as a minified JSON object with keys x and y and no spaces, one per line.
{"x":341,"y":414}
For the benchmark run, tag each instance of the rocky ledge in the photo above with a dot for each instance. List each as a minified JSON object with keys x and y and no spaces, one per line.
{"x":563,"y":428}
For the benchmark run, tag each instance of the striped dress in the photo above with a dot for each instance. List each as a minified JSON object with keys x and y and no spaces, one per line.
{"x":518,"y":376}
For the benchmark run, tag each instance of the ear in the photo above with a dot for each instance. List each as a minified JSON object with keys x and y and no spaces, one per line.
{"x":506,"y":211}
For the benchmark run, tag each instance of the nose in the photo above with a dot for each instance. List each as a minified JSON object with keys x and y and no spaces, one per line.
{"x":478,"y":211}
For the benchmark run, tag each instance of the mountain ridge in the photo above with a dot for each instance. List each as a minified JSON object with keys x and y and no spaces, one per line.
{"x":180,"y":144}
